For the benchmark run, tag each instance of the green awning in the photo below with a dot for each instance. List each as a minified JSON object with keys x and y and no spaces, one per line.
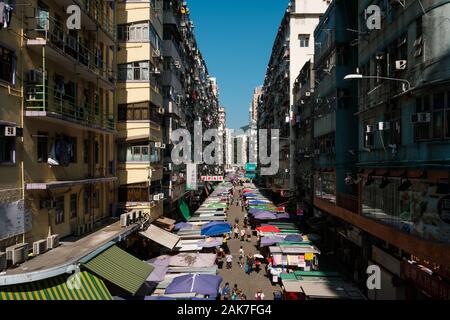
{"x":91,"y":288}
{"x":217,"y":205}
{"x":184,"y":208}
{"x":120,"y":268}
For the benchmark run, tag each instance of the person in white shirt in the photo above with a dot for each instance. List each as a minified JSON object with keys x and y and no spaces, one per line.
{"x":259,"y":295}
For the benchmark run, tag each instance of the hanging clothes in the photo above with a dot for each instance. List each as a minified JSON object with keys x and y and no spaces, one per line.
{"x":5,"y":14}
{"x":2,"y":13}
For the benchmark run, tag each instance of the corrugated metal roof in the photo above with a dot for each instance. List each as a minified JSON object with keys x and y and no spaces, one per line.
{"x":161,"y":236}
{"x":120,"y":268}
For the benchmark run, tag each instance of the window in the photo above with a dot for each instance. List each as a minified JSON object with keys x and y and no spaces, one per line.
{"x":134,"y":153}
{"x":422,"y":130}
{"x":96,"y":200}
{"x":134,"y":71}
{"x":7,"y":65}
{"x":437,"y":108}
{"x":134,"y":111}
{"x":304,"y":40}
{"x":133,"y":32}
{"x":7,"y":149}
{"x":87,"y":208}
{"x":438,"y":115}
{"x":369,"y":135}
{"x":73,"y":205}
{"x":97,"y":152}
{"x":42,"y":147}
{"x":86,"y":151}
{"x":73,"y":148}
{"x":59,"y":210}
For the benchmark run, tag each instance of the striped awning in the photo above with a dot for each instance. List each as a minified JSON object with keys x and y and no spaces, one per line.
{"x":120,"y":268}
{"x":91,"y":288}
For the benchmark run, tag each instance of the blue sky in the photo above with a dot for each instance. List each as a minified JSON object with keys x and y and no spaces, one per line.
{"x":236,"y":38}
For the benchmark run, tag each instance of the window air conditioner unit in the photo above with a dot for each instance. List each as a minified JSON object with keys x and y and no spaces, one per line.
{"x":52,"y":241}
{"x":400,"y":64}
{"x":2,"y":261}
{"x":308,"y":93}
{"x":17,"y":253}
{"x":156,"y":197}
{"x":421,"y":118}
{"x":10,"y":131}
{"x":39,"y":247}
{"x":163,"y":146}
{"x":124,"y":220}
{"x":179,"y":99}
{"x":161,"y":196}
{"x":177,"y":64}
{"x":132,"y":216}
{"x":158,"y":144}
{"x":370,"y":129}
{"x":382,"y":126}
{"x":35,"y":76}
{"x":161,"y":110}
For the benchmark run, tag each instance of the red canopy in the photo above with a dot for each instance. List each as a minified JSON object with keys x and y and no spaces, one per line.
{"x":268,"y":229}
{"x":248,"y":190}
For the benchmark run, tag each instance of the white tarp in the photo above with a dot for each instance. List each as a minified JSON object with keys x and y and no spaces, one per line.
{"x":161,"y":236}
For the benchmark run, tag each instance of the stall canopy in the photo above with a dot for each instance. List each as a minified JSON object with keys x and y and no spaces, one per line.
{"x":91,"y":288}
{"x":158,"y":235}
{"x":293,"y":238}
{"x":204,"y":284}
{"x":268,"y":228}
{"x":184,"y":208}
{"x":200,"y":260}
{"x":120,"y":268}
{"x":182,"y":226}
{"x":268,"y":241}
{"x":215,"y":228}
{"x":265,"y":216}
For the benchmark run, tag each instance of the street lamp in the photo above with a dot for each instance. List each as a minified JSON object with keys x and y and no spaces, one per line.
{"x":357,"y":76}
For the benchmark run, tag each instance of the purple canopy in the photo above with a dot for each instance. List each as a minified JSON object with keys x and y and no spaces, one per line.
{"x":213,"y":223}
{"x":205,"y":284}
{"x":254,"y":211}
{"x":283,"y":215}
{"x":266,"y":216}
{"x":268,"y":241}
{"x":214,"y":242}
{"x":158,"y":274}
{"x":183,"y":225}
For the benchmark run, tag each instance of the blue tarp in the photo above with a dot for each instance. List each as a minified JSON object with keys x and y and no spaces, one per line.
{"x":182,"y":226}
{"x":215,"y":228}
{"x":293,"y":238}
{"x":204,"y":284}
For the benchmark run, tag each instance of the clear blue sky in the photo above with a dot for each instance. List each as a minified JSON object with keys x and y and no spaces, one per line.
{"x":236,"y":38}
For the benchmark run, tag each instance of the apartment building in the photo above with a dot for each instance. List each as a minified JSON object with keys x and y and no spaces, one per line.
{"x":293,"y":47}
{"x":254,"y":105}
{"x":57,"y":121}
{"x":380,"y":183}
{"x":140,"y":107}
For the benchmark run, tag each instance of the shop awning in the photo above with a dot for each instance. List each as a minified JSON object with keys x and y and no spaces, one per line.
{"x":67,"y":184}
{"x":161,"y":236}
{"x":120,"y":268}
{"x":184,"y":208}
{"x":91,"y":288}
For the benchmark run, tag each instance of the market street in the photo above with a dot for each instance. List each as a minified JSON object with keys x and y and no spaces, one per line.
{"x":249,"y":284}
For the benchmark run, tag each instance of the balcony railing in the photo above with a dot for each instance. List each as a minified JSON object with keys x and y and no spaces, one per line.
{"x":42,"y":99}
{"x":70,"y":45}
{"x":348,"y":202}
{"x":94,"y":10}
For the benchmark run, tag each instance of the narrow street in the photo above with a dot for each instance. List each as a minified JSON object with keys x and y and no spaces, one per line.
{"x":249,"y":284}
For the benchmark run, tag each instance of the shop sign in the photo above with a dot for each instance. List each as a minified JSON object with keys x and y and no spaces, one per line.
{"x":429,"y":284}
{"x":309,"y":256}
{"x":212,"y":178}
{"x":191,"y":173}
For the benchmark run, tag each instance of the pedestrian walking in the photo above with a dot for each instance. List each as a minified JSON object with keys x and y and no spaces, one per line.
{"x":224,"y":243}
{"x":249,"y":233}
{"x":259,"y":295}
{"x":257,"y":265}
{"x":245,"y":222}
{"x":242,"y":234}
{"x":226,"y":291}
{"x":250,"y":264}
{"x":243,"y":297}
{"x":236,"y":292}
{"x":241,"y":257}
{"x":229,"y":259}
{"x":236,"y":231}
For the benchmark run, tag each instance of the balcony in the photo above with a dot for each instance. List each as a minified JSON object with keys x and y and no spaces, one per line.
{"x":45,"y":103}
{"x":94,"y":14}
{"x":65,"y":49}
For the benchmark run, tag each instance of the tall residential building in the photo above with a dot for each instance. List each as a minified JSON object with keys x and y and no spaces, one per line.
{"x":140,"y":107}
{"x":379,"y":164}
{"x":254,"y":106}
{"x":57,"y":136}
{"x":293,"y":47}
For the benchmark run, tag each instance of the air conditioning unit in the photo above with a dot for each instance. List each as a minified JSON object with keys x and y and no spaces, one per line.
{"x":35,"y":76}
{"x":308,"y":93}
{"x":17,"y":253}
{"x":158,"y":144}
{"x":422,"y":117}
{"x":370,"y":128}
{"x":39,"y":247}
{"x":156,"y":71}
{"x":10,"y":131}
{"x":2,"y":261}
{"x":52,"y":241}
{"x":382,"y":126}
{"x":163,"y":146}
{"x":179,"y":99}
{"x":156,"y":197}
{"x":124,"y":220}
{"x":400,"y":64}
{"x":161,"y":110}
{"x":177,"y":64}
{"x":132,"y":216}
{"x":161,"y":196}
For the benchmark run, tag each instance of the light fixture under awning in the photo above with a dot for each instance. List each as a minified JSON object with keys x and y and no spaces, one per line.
{"x":158,"y":235}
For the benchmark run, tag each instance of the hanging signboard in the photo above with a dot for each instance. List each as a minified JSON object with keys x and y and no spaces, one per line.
{"x":191,"y":173}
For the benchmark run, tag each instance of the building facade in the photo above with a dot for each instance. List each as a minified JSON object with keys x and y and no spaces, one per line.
{"x":293,"y":47}
{"x":58,"y":106}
